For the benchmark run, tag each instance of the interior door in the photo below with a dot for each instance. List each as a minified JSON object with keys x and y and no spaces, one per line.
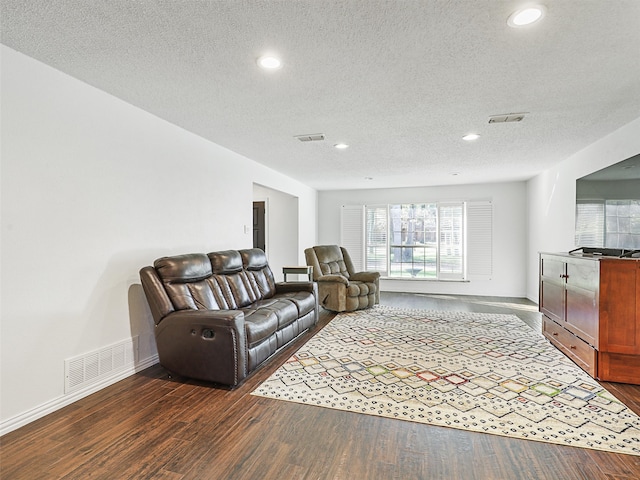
{"x":259,"y":225}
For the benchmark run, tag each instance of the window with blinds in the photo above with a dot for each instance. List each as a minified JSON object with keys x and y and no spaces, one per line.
{"x":437,"y":241}
{"x":608,"y":223}
{"x":590,"y":223}
{"x":622,"y":225}
{"x":414,"y":242}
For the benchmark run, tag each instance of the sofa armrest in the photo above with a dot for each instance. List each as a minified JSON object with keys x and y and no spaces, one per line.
{"x":206,"y":345}
{"x":287,"y":287}
{"x":334,"y":278}
{"x":371,"y":277}
{"x":156,"y":295}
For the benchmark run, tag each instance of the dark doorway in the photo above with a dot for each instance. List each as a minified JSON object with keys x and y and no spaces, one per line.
{"x":258,"y":225}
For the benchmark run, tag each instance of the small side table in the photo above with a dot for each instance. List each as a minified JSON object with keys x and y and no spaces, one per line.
{"x":302,"y":270}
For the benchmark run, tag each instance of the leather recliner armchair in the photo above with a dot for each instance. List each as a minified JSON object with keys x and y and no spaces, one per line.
{"x":340,"y":287}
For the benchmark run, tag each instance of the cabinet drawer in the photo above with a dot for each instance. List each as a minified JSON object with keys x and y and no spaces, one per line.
{"x":577,"y":350}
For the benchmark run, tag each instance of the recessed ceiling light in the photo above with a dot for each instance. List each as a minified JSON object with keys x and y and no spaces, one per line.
{"x":471,"y":137}
{"x":341,"y":146}
{"x":269,"y":62}
{"x":526,"y":16}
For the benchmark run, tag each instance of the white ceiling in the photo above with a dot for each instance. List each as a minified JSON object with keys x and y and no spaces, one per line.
{"x":400,"y":81}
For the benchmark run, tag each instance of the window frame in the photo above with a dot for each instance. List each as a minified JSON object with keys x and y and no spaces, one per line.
{"x":376,"y":213}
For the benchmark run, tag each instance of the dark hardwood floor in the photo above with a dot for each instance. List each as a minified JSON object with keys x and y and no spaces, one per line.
{"x":149,"y":426}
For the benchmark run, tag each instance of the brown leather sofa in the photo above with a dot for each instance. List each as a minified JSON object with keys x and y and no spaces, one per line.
{"x":340,"y":287}
{"x":219,"y":316}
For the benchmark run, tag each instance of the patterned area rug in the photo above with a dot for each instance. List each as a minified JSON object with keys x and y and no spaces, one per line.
{"x":481,"y":372}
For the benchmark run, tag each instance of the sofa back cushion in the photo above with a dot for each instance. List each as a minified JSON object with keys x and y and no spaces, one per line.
{"x":259,"y":273}
{"x":231,"y":280}
{"x":186,"y":279}
{"x":331,"y":260}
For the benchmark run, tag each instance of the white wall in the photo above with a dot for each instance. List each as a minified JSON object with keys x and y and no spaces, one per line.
{"x":281,"y":235}
{"x":93,"y":189}
{"x":551,"y":196}
{"x":509,"y":232}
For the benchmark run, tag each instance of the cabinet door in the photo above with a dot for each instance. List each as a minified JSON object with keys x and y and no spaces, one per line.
{"x":619,"y":298}
{"x":552,"y":279}
{"x":583,"y":273}
{"x":581,"y":314}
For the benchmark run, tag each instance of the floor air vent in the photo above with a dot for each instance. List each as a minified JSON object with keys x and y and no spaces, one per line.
{"x":93,"y":367}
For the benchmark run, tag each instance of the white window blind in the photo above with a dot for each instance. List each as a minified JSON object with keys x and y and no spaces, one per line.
{"x":451,"y":245}
{"x":479,"y":239}
{"x":590,"y":221}
{"x":376,"y":242}
{"x":622,"y":224}
{"x":352,"y":233}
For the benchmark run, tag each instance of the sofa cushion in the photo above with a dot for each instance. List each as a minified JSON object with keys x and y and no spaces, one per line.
{"x":305,"y":302}
{"x":258,"y":272}
{"x":185,"y":278}
{"x":231,"y":279}
{"x":285,"y":310}
{"x":262,"y":282}
{"x":254,"y":259}
{"x":225,"y":262}
{"x":190,"y":267}
{"x":259,"y":324}
{"x":331,"y":260}
{"x":234,"y":290}
{"x":356,"y":289}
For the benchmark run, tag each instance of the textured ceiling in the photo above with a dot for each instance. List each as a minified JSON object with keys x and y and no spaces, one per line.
{"x":400,"y":81}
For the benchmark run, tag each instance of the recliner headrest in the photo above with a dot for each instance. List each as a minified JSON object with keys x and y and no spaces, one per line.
{"x":328,"y":253}
{"x":254,"y":259}
{"x":228,"y":261}
{"x":190,"y":267}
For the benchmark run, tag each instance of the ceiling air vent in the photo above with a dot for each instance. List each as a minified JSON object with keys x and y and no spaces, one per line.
{"x":507,"y":118}
{"x":313,"y":137}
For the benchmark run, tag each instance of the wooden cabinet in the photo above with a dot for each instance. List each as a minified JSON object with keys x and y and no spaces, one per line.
{"x":591,"y":312}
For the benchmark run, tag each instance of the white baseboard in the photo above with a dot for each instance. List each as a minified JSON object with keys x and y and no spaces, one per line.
{"x":40,"y":411}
